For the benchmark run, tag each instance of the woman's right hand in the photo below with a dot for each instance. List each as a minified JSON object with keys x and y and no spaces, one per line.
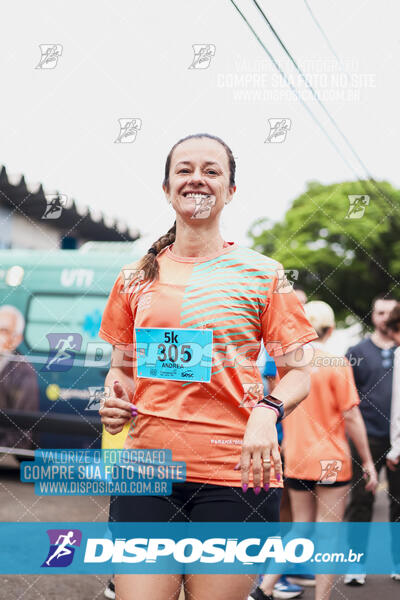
{"x":117,"y":410}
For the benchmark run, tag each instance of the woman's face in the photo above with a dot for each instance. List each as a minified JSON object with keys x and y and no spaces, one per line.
{"x":199,"y":179}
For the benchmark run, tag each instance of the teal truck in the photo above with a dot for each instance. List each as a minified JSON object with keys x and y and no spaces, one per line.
{"x":61,"y":295}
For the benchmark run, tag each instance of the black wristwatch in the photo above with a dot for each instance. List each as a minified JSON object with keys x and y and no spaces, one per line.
{"x":274,"y":403}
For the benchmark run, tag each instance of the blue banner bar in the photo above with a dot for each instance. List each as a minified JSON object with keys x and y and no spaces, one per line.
{"x":253,"y":548}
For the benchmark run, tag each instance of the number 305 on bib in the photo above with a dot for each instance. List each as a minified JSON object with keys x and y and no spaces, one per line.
{"x":177,"y":354}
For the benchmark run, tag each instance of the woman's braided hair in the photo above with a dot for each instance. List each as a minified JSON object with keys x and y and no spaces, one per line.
{"x":148,"y":265}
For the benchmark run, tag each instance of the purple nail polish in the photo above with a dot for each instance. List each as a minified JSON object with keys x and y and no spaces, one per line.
{"x":278,"y":476}
{"x":266,"y":487}
{"x":245,"y":487}
{"x":257,"y":490}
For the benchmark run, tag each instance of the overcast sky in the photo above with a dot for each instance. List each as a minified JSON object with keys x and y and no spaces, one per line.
{"x":131,"y":59}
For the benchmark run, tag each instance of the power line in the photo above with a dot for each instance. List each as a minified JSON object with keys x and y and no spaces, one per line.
{"x":331,"y":48}
{"x":314,"y":93}
{"x":339,"y":61}
{"x":282,"y":73}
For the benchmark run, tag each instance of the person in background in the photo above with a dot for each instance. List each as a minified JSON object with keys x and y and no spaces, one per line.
{"x":372,"y":363}
{"x":317,"y":454}
{"x":283,"y":588}
{"x":18,"y":380}
{"x":305,"y":579}
{"x":393,"y":456}
{"x":393,"y":327}
{"x":287,"y":586}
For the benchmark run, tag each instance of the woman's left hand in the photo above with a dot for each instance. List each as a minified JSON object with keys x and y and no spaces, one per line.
{"x":260,"y":449}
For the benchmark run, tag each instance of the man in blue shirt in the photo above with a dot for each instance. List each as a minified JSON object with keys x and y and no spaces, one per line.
{"x":372,"y":363}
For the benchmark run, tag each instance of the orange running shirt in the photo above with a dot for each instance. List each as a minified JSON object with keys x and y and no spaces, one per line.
{"x":236,"y":294}
{"x":315,"y":443}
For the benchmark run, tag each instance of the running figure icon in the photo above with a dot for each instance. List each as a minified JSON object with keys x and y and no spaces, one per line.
{"x":54,"y":207}
{"x":62,"y":549}
{"x":203,"y":206}
{"x":63,"y":345}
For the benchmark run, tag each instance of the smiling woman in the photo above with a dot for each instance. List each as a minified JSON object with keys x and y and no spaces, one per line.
{"x":198,"y":199}
{"x":196,"y":308}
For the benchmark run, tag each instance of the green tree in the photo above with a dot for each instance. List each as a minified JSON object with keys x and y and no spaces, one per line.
{"x":344,"y":255}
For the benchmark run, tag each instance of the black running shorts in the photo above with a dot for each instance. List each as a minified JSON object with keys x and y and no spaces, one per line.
{"x":199,"y":502}
{"x":308,"y":485}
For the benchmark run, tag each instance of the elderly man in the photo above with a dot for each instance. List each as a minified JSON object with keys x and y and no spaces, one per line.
{"x":18,"y":381}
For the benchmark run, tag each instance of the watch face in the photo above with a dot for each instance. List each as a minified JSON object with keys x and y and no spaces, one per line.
{"x":275,"y":401}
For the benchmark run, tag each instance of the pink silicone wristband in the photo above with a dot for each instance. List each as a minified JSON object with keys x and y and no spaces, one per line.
{"x":276,"y":411}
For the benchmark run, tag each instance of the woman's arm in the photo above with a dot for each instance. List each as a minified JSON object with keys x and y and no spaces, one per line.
{"x":260,"y":442}
{"x":295,"y":377}
{"x":355,"y":429}
{"x":121,"y":369}
{"x":118,"y":408}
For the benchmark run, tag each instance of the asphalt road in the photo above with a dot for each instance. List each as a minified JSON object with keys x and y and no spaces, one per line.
{"x":19,"y":503}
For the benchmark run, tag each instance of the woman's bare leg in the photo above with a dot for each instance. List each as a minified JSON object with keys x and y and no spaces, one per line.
{"x":303,"y":510}
{"x":156,"y":587}
{"x":331,"y":503}
{"x":268,"y":582}
{"x":286,"y":508}
{"x":304,"y":506}
{"x":218,"y":587}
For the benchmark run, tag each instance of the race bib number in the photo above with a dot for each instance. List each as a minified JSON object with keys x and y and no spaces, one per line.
{"x":177,"y":354}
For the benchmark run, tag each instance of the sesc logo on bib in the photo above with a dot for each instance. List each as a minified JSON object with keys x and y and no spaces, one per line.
{"x":176,"y":354}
